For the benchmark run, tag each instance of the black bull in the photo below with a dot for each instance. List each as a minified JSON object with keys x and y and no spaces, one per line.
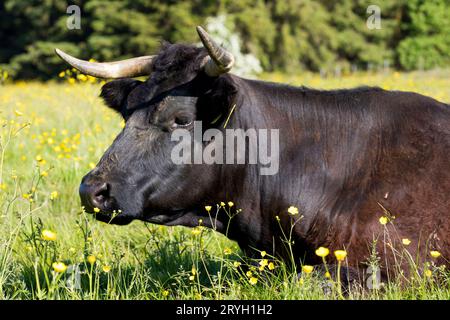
{"x":347,"y":158}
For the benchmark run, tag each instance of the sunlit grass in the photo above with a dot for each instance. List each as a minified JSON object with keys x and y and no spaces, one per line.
{"x":52,"y":134}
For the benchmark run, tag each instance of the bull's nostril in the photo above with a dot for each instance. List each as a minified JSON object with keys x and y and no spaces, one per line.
{"x":94,"y":196}
{"x":102,"y":190}
{"x":101,"y":194}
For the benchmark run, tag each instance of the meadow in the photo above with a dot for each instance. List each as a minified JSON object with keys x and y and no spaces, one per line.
{"x":51,"y":134}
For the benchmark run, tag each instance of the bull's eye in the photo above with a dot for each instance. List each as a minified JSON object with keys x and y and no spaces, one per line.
{"x":181,"y":122}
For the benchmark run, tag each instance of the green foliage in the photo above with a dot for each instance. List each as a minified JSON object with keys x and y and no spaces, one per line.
{"x":288,"y":35}
{"x":427,"y":44}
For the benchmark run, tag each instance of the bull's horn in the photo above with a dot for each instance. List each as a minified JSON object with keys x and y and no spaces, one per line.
{"x":219,"y":61}
{"x":129,"y":68}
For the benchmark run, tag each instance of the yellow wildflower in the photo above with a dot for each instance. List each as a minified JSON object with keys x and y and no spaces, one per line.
{"x":340,"y":255}
{"x":435,"y":254}
{"x":383,"y":220}
{"x":293,"y":210}
{"x":81,"y":77}
{"x":18,"y":113}
{"x":53,"y":195}
{"x":227,"y":251}
{"x":307,"y":269}
{"x":106,"y":268}
{"x":59,"y":267}
{"x":96,"y":210}
{"x":253,"y":281}
{"x":165,"y":293}
{"x":264,"y":262}
{"x":322,"y":252}
{"x":48,"y":235}
{"x":271,"y":266}
{"x":236,"y":264}
{"x":263,"y":254}
{"x":91,"y":259}
{"x":208,"y":208}
{"x":406,"y":242}
{"x":230,"y":203}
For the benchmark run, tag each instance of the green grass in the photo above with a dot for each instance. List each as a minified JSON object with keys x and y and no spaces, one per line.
{"x":52,"y":134}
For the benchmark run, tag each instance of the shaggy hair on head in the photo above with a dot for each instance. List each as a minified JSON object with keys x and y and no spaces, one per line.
{"x":174,"y":61}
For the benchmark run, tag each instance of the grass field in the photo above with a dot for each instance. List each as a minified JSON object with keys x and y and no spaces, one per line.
{"x":52,"y":134}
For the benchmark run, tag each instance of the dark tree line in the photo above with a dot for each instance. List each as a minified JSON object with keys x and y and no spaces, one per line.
{"x":288,"y":35}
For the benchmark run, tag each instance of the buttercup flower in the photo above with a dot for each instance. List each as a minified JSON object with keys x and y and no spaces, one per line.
{"x":59,"y":267}
{"x":227,"y":251}
{"x":307,"y":269}
{"x":435,"y":254}
{"x":253,"y":281}
{"x":48,"y":235}
{"x":230,"y":203}
{"x":340,"y":255}
{"x":322,"y":252}
{"x":263,"y":254}
{"x":383,"y":220}
{"x":263,"y":263}
{"x":96,"y":210}
{"x":236,"y":264}
{"x":271,"y":266}
{"x":293,"y":210}
{"x":208,"y":208}
{"x":106,"y":268}
{"x":91,"y":259}
{"x":406,"y":242}
{"x":53,"y":195}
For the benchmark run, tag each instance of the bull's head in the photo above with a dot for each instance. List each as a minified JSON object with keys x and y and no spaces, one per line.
{"x":136,"y":178}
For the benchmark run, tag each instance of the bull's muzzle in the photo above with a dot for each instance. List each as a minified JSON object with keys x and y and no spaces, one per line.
{"x":94,"y":195}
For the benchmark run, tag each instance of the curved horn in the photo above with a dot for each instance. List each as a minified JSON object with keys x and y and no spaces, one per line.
{"x":219,"y":61}
{"x":129,"y":68}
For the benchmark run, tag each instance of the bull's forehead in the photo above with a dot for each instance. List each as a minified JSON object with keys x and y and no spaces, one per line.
{"x":151,"y":91}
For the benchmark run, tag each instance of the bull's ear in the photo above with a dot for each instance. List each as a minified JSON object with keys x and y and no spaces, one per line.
{"x":115,"y":93}
{"x":216,"y":104}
